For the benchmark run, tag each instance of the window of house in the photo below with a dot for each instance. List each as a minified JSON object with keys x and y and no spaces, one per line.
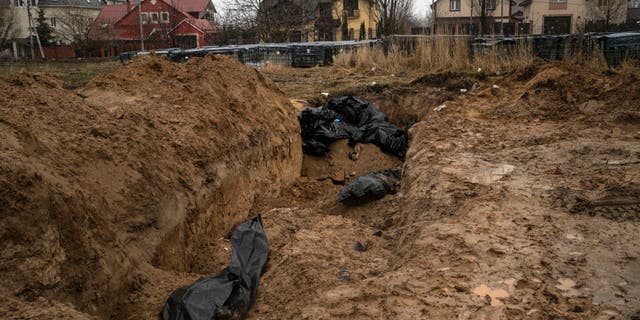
{"x":325,"y":9}
{"x":144,"y":17}
{"x":350,"y":6}
{"x":165,"y":17}
{"x":558,"y":1}
{"x":154,"y":17}
{"x":634,"y":4}
{"x":454,"y":5}
{"x":53,"y":21}
{"x":34,"y":3}
{"x":492,"y":4}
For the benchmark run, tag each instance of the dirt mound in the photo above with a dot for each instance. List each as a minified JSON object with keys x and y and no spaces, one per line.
{"x":559,"y":91}
{"x":451,"y":81}
{"x":113,"y":195}
{"x":500,"y":215}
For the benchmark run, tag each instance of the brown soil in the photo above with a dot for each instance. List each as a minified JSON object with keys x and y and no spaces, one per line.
{"x":519,"y":200}
{"x":114,"y":195}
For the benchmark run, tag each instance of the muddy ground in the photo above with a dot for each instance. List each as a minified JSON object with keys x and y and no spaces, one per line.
{"x":520,"y":198}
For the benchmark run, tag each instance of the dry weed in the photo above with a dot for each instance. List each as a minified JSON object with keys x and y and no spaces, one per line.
{"x":272,"y":67}
{"x":432,"y":54}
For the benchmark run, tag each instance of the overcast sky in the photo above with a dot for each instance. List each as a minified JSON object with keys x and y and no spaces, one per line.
{"x":420,"y":7}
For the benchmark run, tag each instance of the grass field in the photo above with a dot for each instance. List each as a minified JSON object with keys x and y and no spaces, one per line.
{"x":73,"y":73}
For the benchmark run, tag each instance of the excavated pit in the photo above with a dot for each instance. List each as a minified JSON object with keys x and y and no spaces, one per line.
{"x":113,"y":195}
{"x":519,"y":200}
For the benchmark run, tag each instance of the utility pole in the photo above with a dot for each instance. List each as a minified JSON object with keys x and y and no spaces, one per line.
{"x":31,"y":27}
{"x":502,"y":17}
{"x":434,"y":14}
{"x":470,"y":19}
{"x":302,"y":24}
{"x":140,"y":23}
{"x":33,"y":55}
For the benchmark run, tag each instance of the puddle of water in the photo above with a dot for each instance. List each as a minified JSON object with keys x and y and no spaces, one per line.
{"x":494,"y":294}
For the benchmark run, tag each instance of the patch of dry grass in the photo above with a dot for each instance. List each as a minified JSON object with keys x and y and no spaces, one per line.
{"x":74,"y":73}
{"x":435,"y":54}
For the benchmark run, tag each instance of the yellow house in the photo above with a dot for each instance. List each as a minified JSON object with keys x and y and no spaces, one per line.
{"x":459,"y":16}
{"x":358,"y":13}
{"x":320,"y":20}
{"x":518,"y":17}
{"x":563,"y":16}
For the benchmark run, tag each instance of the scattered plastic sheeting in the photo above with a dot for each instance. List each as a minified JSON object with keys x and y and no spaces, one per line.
{"x":230,"y":293}
{"x":350,"y":118}
{"x":372,"y":186}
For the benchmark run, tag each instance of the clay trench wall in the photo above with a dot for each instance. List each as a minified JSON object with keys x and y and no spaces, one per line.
{"x":134,"y":178}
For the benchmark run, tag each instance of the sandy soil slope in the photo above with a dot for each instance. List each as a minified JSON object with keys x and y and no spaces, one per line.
{"x":519,"y":201}
{"x":113,"y":195}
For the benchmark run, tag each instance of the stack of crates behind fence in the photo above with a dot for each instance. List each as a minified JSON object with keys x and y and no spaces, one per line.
{"x":408,"y":43}
{"x":615,"y":47}
{"x":288,"y":54}
{"x":619,"y":47}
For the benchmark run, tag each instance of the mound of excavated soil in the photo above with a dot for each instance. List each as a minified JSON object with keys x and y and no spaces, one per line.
{"x":113,"y":195}
{"x":560,"y":91}
{"x":500,"y":215}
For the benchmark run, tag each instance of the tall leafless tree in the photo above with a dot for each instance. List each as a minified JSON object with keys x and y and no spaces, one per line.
{"x":73,"y":26}
{"x":483,"y":9}
{"x":393,"y":15}
{"x":604,"y":14}
{"x":273,"y":20}
{"x":8,"y":28}
{"x":246,"y":17}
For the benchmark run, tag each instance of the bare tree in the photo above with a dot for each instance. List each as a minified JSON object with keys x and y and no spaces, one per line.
{"x":245,"y":17}
{"x":604,"y":14}
{"x":8,"y":28}
{"x":326,"y":22}
{"x":393,"y":15}
{"x":287,"y":20}
{"x":73,"y":26}
{"x":421,"y":21}
{"x":482,"y":10}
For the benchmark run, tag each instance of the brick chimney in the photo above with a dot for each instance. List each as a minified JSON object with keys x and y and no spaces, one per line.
{"x":129,"y":6}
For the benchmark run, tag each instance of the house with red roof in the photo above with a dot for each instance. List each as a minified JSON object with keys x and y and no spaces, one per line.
{"x":154,"y":24}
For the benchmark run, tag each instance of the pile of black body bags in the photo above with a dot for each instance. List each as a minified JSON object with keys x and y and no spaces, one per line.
{"x":359,"y":121}
{"x":350,"y":118}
